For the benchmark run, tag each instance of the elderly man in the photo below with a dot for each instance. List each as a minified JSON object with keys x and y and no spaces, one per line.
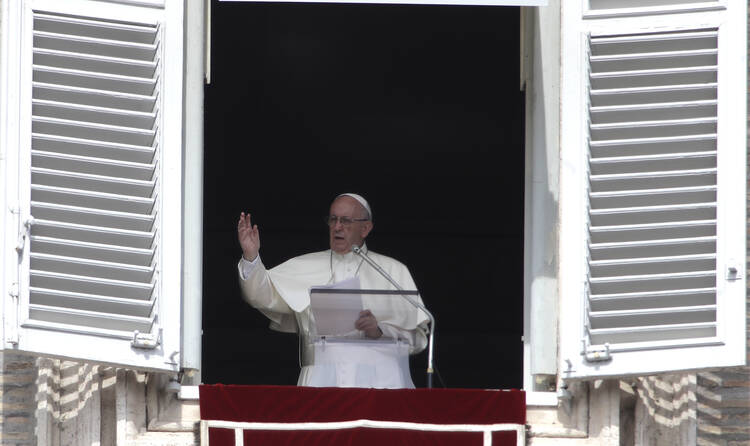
{"x":282,"y":294}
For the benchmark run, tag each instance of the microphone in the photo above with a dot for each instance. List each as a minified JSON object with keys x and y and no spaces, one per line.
{"x":357,"y":250}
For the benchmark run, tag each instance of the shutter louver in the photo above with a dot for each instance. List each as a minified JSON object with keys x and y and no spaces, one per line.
{"x":596,"y":5}
{"x":94,"y":175}
{"x":652,"y":189}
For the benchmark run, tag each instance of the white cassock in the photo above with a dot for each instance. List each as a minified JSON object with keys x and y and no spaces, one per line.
{"x":283,"y":295}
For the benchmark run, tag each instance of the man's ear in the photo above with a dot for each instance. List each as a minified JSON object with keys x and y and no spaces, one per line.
{"x":366,"y":228}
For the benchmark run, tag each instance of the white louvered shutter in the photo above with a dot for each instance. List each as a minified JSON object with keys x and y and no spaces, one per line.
{"x":663,"y":197}
{"x":99,"y":183}
{"x":652,"y":188}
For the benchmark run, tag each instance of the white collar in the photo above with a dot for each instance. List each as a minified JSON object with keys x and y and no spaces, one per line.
{"x":349,"y":256}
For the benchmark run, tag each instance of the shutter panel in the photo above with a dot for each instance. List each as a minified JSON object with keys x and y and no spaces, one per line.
{"x":93,"y":281}
{"x":663,"y":194}
{"x":652,"y":188}
{"x":81,"y":69}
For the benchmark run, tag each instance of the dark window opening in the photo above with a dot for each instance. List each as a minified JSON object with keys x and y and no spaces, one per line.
{"x":415,"y":107}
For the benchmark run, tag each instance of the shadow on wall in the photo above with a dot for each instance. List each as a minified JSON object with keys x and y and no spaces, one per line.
{"x":80,"y":403}
{"x":660,"y":410}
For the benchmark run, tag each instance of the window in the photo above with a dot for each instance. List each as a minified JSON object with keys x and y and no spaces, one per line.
{"x":325,"y":100}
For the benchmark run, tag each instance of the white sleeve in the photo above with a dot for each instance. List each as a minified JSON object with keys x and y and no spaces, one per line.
{"x":258,"y":290}
{"x":246,"y":267}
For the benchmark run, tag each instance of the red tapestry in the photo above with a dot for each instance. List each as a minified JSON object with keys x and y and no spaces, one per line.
{"x":274,"y":415}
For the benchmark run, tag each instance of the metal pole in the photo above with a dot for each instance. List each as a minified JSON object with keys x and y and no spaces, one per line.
{"x":357,"y":250}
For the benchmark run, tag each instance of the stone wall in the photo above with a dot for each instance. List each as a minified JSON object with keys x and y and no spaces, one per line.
{"x":50,"y":402}
{"x":18,"y":375}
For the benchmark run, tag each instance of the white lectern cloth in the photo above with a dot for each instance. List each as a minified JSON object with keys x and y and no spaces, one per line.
{"x":379,"y":365}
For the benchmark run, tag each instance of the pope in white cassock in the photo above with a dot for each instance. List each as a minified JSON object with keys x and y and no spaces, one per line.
{"x":384,"y":334}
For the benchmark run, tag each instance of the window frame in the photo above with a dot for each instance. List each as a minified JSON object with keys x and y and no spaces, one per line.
{"x":540,"y":70}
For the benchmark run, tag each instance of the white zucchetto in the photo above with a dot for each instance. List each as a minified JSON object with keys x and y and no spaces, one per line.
{"x":361,"y":201}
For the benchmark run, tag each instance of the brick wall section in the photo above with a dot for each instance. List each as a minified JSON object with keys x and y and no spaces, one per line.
{"x":18,"y":375}
{"x":723,"y":415}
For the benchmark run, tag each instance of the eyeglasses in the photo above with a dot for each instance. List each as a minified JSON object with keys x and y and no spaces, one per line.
{"x":331,"y":220}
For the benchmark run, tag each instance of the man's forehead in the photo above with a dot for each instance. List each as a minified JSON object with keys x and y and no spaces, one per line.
{"x":347,"y":204}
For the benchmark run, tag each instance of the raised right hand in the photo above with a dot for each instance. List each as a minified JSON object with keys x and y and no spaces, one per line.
{"x":249,"y":237}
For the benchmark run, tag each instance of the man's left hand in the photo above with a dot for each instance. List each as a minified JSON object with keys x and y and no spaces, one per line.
{"x":368,"y":324}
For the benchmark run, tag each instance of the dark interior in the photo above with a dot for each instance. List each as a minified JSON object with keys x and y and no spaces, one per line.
{"x":417,"y":108}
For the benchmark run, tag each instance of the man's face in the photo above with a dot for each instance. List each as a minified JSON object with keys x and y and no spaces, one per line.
{"x":342,"y":237}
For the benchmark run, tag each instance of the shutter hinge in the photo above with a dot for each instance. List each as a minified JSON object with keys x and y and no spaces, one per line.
{"x":13,"y":290}
{"x":12,"y":335}
{"x":173,"y":358}
{"x":596,"y":354}
{"x":23,"y":234}
{"x":145,"y":340}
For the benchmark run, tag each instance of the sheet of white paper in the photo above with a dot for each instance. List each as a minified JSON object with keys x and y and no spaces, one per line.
{"x":335,"y":314}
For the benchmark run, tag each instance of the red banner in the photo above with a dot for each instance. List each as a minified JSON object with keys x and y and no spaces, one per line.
{"x":270,"y":415}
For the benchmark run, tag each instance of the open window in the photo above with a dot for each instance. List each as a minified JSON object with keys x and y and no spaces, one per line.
{"x":653,"y":185}
{"x":426,"y":122}
{"x":92,"y":106}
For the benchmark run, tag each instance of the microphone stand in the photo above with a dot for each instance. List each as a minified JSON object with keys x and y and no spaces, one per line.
{"x":357,"y":250}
